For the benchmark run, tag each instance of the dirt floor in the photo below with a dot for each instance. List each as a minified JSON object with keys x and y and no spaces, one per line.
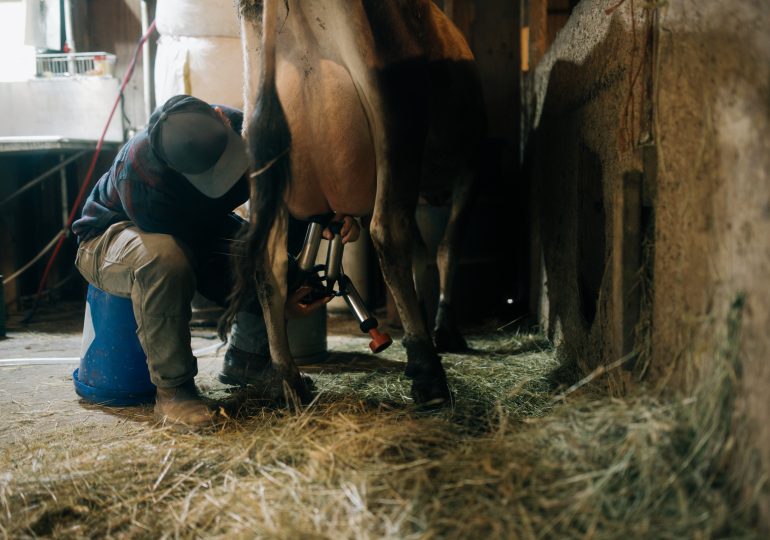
{"x":37,"y":360}
{"x":37,"y":393}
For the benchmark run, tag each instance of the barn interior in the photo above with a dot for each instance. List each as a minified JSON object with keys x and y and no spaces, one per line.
{"x":612,"y":288}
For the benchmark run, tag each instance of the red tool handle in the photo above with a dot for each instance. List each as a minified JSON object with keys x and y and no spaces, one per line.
{"x":380,"y":341}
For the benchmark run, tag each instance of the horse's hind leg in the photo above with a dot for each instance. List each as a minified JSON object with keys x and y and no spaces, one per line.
{"x":271,"y":285}
{"x":446,"y":332}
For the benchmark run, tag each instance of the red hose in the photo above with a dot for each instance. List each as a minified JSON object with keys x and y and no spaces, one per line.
{"x":87,"y":182}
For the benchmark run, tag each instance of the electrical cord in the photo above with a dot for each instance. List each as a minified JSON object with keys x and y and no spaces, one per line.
{"x":87,"y":182}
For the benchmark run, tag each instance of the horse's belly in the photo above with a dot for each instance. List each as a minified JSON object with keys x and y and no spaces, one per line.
{"x":333,"y":163}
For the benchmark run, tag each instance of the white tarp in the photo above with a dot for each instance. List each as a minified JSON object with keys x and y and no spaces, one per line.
{"x":208,"y":68}
{"x":197,"y":18}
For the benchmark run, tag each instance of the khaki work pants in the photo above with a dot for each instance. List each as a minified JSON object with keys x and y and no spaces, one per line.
{"x":160,"y":274}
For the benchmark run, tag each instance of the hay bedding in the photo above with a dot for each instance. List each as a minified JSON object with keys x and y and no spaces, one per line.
{"x":507,"y":461}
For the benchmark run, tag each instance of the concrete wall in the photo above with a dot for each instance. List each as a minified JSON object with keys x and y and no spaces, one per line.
{"x":712,"y":242}
{"x":651,"y":196}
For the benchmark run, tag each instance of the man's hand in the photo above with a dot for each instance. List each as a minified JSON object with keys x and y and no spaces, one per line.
{"x":296,"y":308}
{"x":350,"y":229}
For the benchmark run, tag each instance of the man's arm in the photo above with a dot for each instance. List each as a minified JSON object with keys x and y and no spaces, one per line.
{"x":150,"y":210}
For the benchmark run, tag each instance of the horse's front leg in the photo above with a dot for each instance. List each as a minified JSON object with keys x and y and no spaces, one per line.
{"x":271,"y":282}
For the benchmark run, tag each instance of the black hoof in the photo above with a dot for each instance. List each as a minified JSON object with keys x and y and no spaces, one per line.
{"x":423,"y":366}
{"x":308,"y":390}
{"x":309,"y":383}
{"x":270,"y":385}
{"x":449,"y":341}
{"x":431,"y":394}
{"x":301,"y":386}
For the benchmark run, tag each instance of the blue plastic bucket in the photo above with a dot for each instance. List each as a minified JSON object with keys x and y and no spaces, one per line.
{"x":113,"y":366}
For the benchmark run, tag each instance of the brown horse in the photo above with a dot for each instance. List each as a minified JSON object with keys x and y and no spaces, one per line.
{"x":361,"y":108}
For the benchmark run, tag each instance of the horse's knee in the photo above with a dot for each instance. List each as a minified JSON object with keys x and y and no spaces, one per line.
{"x":390,"y":232}
{"x":378,"y":232}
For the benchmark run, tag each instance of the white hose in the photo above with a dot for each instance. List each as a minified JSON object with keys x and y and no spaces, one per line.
{"x":38,"y":361}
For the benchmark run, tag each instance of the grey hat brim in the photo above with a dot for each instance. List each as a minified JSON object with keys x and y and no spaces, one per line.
{"x":226,"y":172}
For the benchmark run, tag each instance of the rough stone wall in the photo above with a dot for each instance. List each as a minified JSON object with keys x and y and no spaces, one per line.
{"x":581,"y":157}
{"x":651,"y":187}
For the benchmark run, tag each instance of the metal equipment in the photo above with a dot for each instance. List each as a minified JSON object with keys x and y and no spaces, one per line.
{"x":333,"y":275}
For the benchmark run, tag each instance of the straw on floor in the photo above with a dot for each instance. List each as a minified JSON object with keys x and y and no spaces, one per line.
{"x":506,"y":461}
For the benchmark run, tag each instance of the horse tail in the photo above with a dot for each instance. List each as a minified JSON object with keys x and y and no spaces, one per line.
{"x":269,"y":144}
{"x":269,"y":141}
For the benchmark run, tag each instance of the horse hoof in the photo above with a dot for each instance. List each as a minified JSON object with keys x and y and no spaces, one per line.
{"x":309,"y":383}
{"x":272,"y":386}
{"x":431,"y":394}
{"x":302,"y":387}
{"x":307,"y":390}
{"x":449,"y":341}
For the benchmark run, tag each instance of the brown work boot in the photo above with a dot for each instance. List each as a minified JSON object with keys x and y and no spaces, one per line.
{"x":182,"y":407}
